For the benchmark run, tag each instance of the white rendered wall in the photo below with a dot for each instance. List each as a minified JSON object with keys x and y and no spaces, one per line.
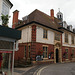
{"x":26,"y":35}
{"x":0,"y":11}
{"x":69,"y":44}
{"x":39,"y":36}
{"x":1,"y":8}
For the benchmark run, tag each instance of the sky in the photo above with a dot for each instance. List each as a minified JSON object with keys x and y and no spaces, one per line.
{"x":25,"y":7}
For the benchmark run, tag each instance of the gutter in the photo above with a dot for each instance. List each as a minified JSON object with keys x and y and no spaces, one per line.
{"x":39,"y":24}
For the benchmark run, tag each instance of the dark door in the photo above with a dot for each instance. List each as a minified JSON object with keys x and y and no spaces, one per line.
{"x":56,"y":55}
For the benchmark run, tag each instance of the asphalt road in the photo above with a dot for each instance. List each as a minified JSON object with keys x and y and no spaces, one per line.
{"x":52,"y":69}
{"x":33,"y":71}
{"x":58,"y":69}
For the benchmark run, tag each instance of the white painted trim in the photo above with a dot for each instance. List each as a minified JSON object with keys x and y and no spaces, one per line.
{"x":7,"y":39}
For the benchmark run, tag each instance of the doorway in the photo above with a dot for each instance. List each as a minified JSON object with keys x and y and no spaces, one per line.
{"x":57,"y":56}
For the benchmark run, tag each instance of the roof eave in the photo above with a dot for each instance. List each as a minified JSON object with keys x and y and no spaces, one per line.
{"x":39,"y":24}
{"x":66,"y":29}
{"x":10,"y":3}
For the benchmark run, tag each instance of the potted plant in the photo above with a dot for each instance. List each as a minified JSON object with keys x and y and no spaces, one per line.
{"x":64,"y":54}
{"x":50,"y":55}
{"x":39,"y":56}
{"x":40,"y":52}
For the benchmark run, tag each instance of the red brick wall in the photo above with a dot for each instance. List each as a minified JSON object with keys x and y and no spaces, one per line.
{"x":35,"y":47}
{"x":20,"y":53}
{"x":33,"y":33}
{"x":69,"y":51}
{"x":39,"y":46}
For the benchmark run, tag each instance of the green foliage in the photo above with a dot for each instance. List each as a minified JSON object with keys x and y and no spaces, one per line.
{"x":5,"y":20}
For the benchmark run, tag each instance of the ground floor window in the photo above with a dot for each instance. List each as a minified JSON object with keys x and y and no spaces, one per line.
{"x":45,"y":52}
{"x":25,"y":51}
{"x":29,"y":51}
{"x":6,"y":63}
{"x":66,"y":56}
{"x":72,"y":53}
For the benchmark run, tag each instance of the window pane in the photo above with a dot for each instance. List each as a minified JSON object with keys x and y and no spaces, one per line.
{"x":44,"y":33}
{"x":29,"y":51}
{"x":72,"y":39}
{"x":73,"y":53}
{"x":66,"y":50}
{"x":66,"y":37}
{"x":25,"y":51}
{"x":44,"y":52}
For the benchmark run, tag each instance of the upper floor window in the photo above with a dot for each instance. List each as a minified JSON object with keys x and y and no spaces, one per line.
{"x":72,"y":39}
{"x":57,"y":37}
{"x":66,"y":37}
{"x":44,"y":33}
{"x":5,"y":9}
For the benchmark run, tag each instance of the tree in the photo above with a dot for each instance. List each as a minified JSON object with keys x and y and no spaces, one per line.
{"x":5,"y":20}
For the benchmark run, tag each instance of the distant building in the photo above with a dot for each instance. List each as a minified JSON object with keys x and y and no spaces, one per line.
{"x":5,"y":6}
{"x":45,"y":35}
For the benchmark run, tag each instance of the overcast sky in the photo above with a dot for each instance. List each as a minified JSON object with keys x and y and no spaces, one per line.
{"x":25,"y":7}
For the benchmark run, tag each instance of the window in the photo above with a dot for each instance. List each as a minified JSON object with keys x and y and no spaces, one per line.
{"x":73,"y":53}
{"x":45,"y":52}
{"x":72,"y":39}
{"x":44,"y":33}
{"x":66,"y":50}
{"x":5,"y":9}
{"x":57,"y":37}
{"x":29,"y":51}
{"x":25,"y":51}
{"x":60,"y":16}
{"x":66,"y":37}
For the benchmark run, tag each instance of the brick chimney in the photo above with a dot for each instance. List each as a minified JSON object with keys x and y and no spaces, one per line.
{"x":52,"y":14}
{"x":15,"y":18}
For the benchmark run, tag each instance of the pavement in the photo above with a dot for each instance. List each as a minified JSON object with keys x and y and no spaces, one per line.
{"x":21,"y":71}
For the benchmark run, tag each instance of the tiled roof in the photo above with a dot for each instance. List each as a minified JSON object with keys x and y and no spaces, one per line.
{"x":9,"y":33}
{"x":43,"y":18}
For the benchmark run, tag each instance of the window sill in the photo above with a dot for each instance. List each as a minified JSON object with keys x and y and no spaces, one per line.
{"x":45,"y":38}
{"x":45,"y":58}
{"x":67,"y":59}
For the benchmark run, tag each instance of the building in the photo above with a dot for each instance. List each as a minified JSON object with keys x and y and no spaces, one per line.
{"x":5,"y":6}
{"x":45,"y":38}
{"x":8,"y":45}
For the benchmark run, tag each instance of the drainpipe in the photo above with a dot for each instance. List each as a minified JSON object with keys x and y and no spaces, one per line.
{"x":13,"y":59}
